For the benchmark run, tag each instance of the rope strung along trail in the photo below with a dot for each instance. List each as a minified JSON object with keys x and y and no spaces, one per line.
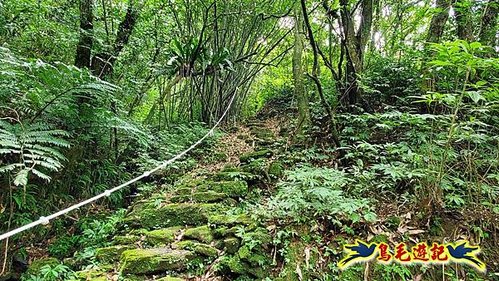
{"x":47,"y":219}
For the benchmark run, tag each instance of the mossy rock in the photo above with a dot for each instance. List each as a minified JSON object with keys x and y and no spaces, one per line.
{"x":257,"y":167}
{"x":111,"y":254}
{"x":265,"y":153}
{"x":169,"y":278}
{"x":188,"y":183}
{"x":262,"y":132}
{"x":202,"y":234}
{"x":230,"y":220}
{"x":295,"y":257}
{"x":97,"y":274}
{"x":131,"y":277}
{"x":259,"y":235}
{"x":198,"y":248}
{"x":35,"y":266}
{"x":125,"y":239}
{"x":184,"y":191}
{"x":162,"y":236}
{"x":256,"y":257}
{"x":200,"y":197}
{"x":231,"y":245}
{"x":231,"y":188}
{"x":149,"y":261}
{"x":223,"y":231}
{"x":276,"y":169}
{"x":233,"y":176}
{"x":233,"y":264}
{"x":230,"y":168}
{"x":176,"y":214}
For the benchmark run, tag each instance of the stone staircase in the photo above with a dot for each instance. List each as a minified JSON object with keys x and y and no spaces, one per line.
{"x":195,"y":231}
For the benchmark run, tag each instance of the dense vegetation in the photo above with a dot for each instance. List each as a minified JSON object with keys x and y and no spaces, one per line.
{"x":368,"y":119}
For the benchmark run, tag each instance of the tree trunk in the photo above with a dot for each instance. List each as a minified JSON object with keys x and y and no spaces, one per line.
{"x":299,"y":87}
{"x":315,"y":75}
{"x":488,"y":30}
{"x":438,"y":21}
{"x":84,"y":47}
{"x":464,"y":20}
{"x":355,"y":45}
{"x":102,"y":63}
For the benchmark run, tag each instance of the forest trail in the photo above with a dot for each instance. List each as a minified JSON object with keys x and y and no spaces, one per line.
{"x":194,"y":231}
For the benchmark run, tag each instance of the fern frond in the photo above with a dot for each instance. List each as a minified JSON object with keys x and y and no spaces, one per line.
{"x":53,"y":166}
{"x":11,"y":167}
{"x":9,"y":151}
{"x":47,"y":140}
{"x":53,"y":152}
{"x":21,"y":178}
{"x":41,"y":175}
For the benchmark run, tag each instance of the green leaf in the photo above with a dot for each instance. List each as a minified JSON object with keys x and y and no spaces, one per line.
{"x":21,"y":179}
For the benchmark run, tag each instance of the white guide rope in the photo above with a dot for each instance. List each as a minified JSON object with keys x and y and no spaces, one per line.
{"x":47,"y":219}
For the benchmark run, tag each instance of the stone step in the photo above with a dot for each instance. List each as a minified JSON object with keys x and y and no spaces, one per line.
{"x":156,"y":260}
{"x":174,"y":214}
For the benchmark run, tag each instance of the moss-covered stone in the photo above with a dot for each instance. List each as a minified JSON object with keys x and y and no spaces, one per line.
{"x":149,"y":261}
{"x":231,"y":245}
{"x":200,"y":197}
{"x":233,"y":176}
{"x":131,"y":277}
{"x":198,"y":248}
{"x":111,"y":254}
{"x":255,"y":257}
{"x":260,"y":131}
{"x":256,"y":167}
{"x":230,"y":168}
{"x":97,"y":274}
{"x":125,"y":239}
{"x":260,"y":235}
{"x":202,"y":233}
{"x":265,"y":153}
{"x":233,"y":264}
{"x":276,"y":169}
{"x":169,"y":278}
{"x":175,"y":214}
{"x":35,"y":266}
{"x":223,"y":231}
{"x":161,"y":236}
{"x":230,"y":220}
{"x":231,"y":188}
{"x":184,"y":191}
{"x":296,"y":258}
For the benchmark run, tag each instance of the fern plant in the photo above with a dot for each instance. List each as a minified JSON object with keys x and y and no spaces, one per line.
{"x":30,"y":150}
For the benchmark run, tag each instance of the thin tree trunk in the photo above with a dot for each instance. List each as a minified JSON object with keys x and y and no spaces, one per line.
{"x":315,"y":75}
{"x":84,"y":47}
{"x":299,"y":87}
{"x":488,"y":30}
